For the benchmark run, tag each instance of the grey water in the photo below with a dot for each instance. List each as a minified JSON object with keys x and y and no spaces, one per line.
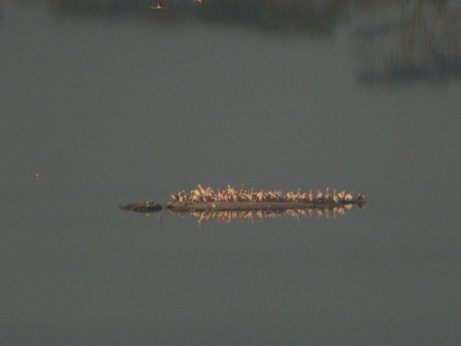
{"x":112,"y":102}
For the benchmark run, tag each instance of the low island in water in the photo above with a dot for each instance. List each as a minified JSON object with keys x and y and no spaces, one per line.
{"x":231,"y":199}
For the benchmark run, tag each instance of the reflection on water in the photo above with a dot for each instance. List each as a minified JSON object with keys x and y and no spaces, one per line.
{"x":422,"y":41}
{"x":401,"y":41}
{"x":148,"y":208}
{"x":250,"y":215}
{"x":318,"y":18}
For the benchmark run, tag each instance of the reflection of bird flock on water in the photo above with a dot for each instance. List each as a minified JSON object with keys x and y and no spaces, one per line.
{"x":230,"y":194}
{"x":250,"y":215}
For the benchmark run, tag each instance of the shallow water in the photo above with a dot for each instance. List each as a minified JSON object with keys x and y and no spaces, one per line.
{"x":117,"y":104}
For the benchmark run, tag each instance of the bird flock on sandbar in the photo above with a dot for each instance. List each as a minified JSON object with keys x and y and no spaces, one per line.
{"x":250,"y":215}
{"x":231,"y":194}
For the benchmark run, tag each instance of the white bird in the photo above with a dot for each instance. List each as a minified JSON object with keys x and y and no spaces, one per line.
{"x":202,"y":190}
{"x":335,"y":197}
{"x":319,"y":194}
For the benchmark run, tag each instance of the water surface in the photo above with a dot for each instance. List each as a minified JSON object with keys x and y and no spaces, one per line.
{"x":111,"y":102}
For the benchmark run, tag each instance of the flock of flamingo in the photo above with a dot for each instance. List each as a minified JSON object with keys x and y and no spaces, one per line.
{"x":231,"y":194}
{"x":247,"y":204}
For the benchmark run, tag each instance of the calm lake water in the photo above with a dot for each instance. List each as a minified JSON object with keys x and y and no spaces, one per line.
{"x":113,"y":102}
